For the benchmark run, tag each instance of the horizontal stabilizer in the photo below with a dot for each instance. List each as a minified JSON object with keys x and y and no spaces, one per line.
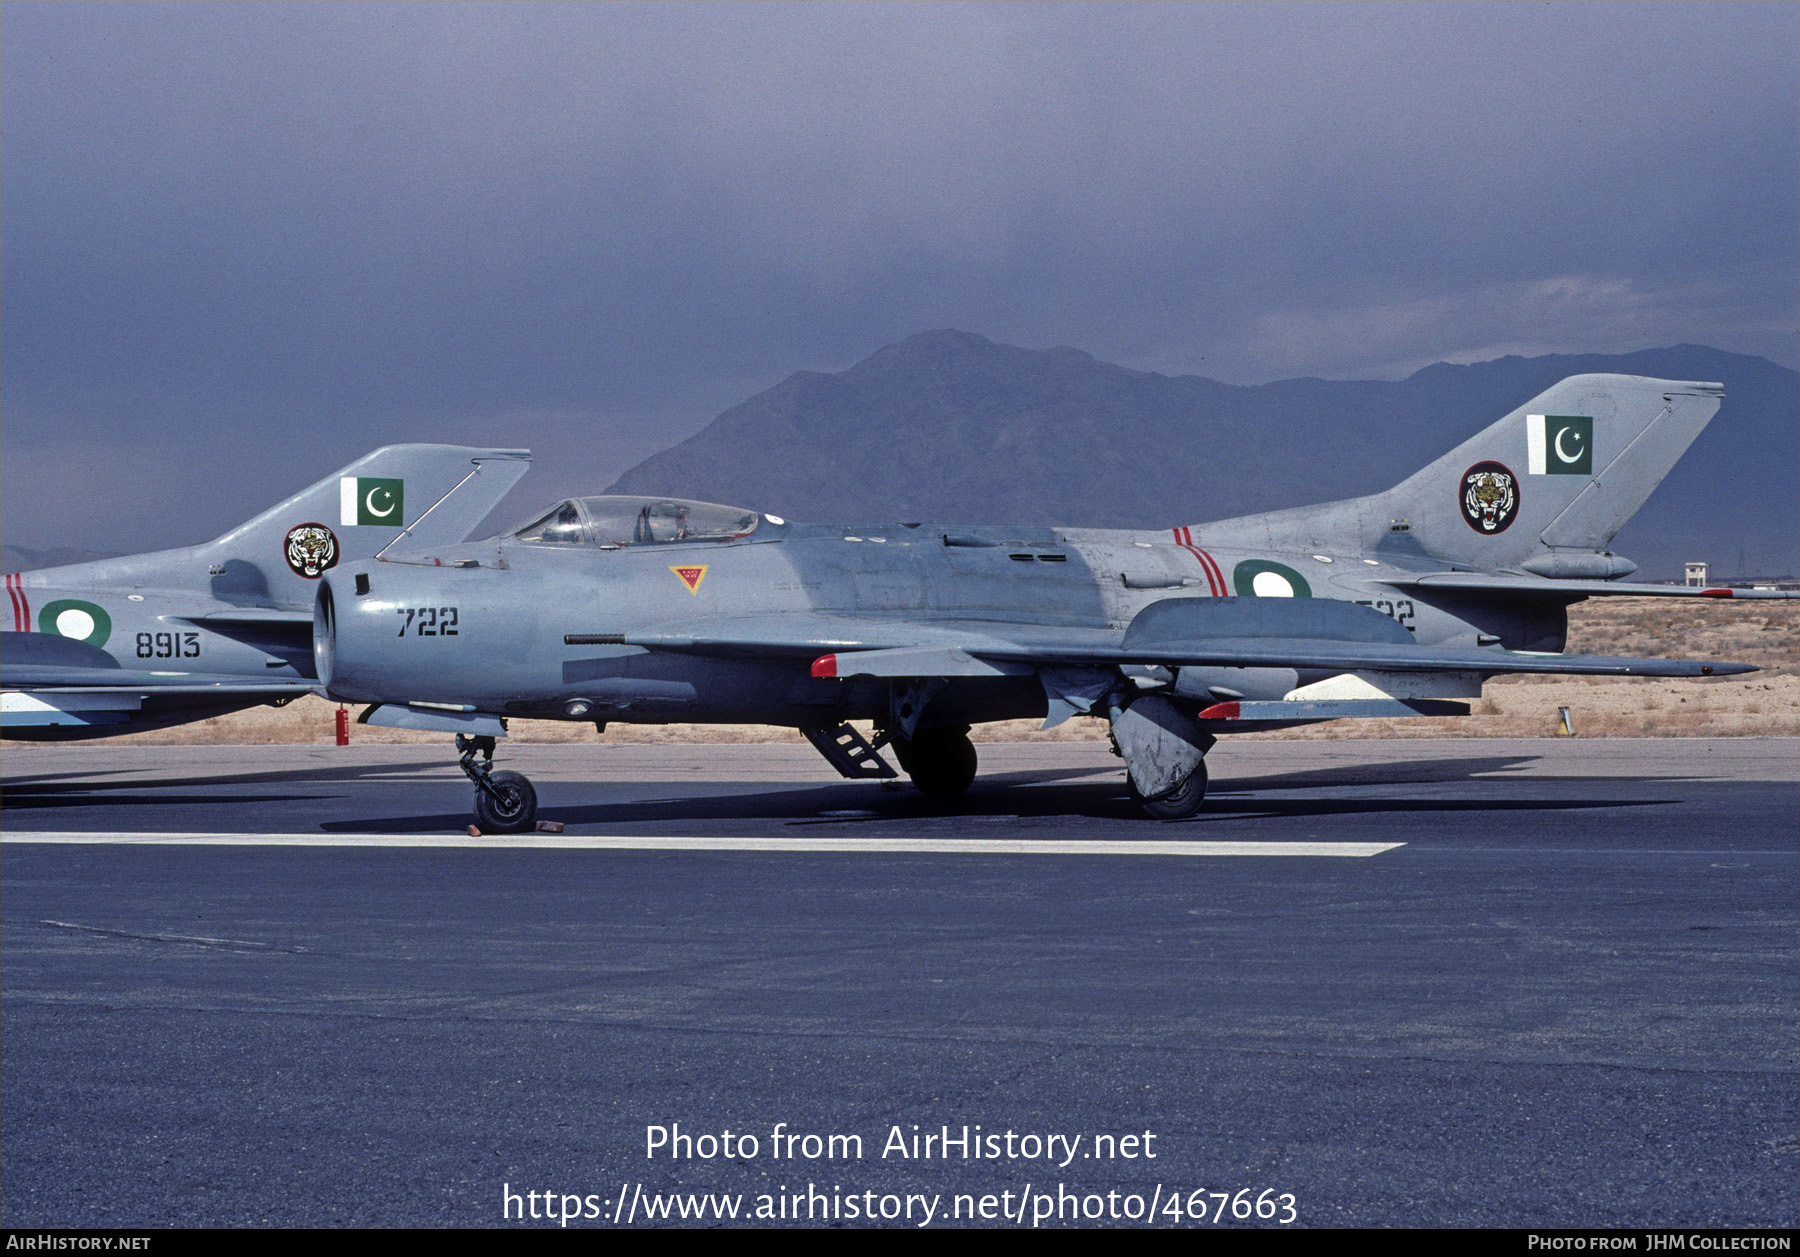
{"x":1526,"y":586}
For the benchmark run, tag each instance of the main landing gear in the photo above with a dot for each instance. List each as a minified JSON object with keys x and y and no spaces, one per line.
{"x":1164,"y":750}
{"x":505,"y":802}
{"x":941,"y":762}
{"x":1177,"y":804}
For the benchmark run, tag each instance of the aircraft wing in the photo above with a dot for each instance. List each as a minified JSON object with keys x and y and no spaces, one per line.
{"x":1222,"y":632}
{"x":120,"y":681}
{"x":48,"y":663}
{"x":36,"y":696}
{"x":1525,"y":586}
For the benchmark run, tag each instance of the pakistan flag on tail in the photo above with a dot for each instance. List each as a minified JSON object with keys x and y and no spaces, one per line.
{"x":368,"y":500}
{"x":1559,"y":445}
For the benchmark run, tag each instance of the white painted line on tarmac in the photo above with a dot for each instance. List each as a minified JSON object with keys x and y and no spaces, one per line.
{"x":803,"y":846}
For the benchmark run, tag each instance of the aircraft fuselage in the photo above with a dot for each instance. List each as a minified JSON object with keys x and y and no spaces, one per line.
{"x":539,"y":630}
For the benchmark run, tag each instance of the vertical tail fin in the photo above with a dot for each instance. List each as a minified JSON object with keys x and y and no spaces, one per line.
{"x":1543,"y":490}
{"x":1547,"y":486}
{"x":437,"y":493}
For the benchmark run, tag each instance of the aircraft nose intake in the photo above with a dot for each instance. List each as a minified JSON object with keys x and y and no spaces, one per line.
{"x":390,"y":633}
{"x":325,"y":631}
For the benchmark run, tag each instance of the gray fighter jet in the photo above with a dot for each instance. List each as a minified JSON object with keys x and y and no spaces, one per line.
{"x":128,"y":644}
{"x":649,"y":610}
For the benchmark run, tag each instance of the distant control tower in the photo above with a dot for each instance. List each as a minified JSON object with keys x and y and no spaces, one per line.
{"x":1696,"y":575}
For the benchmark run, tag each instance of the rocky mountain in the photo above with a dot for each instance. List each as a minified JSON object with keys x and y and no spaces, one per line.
{"x":951,"y":427}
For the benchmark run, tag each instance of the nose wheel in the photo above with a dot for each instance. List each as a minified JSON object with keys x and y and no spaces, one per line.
{"x":505,"y":802}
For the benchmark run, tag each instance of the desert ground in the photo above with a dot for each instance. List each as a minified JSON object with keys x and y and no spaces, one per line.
{"x":1761,"y":703}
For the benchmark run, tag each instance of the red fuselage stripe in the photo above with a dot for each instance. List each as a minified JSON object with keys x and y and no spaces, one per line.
{"x":1214,"y":582}
{"x":21,"y":606}
{"x":1217,"y":574}
{"x":1213,"y":575}
{"x":1187,"y":543}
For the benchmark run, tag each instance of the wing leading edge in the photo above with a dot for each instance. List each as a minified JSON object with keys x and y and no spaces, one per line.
{"x":1178,"y":632}
{"x":1528,"y":586}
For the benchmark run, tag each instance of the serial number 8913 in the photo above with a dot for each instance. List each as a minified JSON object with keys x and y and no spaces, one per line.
{"x":428,"y":621}
{"x":168,"y":645}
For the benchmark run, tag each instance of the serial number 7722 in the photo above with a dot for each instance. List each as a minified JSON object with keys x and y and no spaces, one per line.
{"x":428,"y":621}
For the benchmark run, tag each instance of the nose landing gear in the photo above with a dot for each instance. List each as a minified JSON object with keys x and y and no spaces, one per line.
{"x":505,"y":802}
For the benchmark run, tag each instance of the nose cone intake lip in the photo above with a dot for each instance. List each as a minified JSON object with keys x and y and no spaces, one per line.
{"x":324,"y":632}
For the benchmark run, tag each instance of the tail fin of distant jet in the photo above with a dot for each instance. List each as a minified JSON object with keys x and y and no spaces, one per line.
{"x":1542,"y":490}
{"x":435,"y":494}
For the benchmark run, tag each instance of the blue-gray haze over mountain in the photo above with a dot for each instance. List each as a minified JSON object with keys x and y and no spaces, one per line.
{"x":951,"y":427}
{"x":244,"y":244}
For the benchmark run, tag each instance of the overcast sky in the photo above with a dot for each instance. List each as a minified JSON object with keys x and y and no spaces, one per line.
{"x":244,"y":243}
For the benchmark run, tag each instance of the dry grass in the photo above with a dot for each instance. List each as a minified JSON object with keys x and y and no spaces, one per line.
{"x":1763,"y":703}
{"x":1766,"y":634}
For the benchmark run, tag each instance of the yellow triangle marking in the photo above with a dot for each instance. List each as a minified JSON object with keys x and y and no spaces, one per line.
{"x":691,"y":576}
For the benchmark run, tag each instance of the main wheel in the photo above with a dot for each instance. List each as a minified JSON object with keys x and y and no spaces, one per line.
{"x":513,"y":812}
{"x":941,"y":761}
{"x":1178,"y":804}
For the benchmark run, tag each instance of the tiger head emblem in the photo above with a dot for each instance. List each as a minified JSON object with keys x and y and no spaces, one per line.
{"x":311,"y":549}
{"x":1490,"y":497}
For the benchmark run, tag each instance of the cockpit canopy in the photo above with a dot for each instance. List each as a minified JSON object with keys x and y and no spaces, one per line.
{"x":611,"y":522}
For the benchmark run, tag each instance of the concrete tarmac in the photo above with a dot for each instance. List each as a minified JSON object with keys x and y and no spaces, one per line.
{"x":1558,"y":986}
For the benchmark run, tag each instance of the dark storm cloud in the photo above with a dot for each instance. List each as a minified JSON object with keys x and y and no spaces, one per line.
{"x":268,"y":237}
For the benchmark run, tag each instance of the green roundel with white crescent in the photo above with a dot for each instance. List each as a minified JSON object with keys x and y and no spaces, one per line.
{"x":1259,"y":578}
{"x":71,"y":617}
